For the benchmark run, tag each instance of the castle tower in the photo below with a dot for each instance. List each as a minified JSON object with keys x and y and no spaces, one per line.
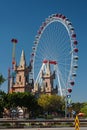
{"x":48,"y":80}
{"x":21,"y":81}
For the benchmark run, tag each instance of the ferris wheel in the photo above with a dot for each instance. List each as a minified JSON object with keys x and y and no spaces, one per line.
{"x":56,"y":43}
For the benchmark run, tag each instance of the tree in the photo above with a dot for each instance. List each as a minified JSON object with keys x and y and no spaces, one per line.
{"x":56,"y":103}
{"x":2,"y":94}
{"x":26,"y":100}
{"x":84,"y":109}
{"x":77,"y":107}
{"x":51,"y":103}
{"x":44,"y":101}
{"x":2,"y":79}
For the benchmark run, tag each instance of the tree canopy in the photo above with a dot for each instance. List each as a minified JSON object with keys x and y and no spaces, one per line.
{"x":84,"y":109}
{"x":2,"y":79}
{"x":50,"y":102}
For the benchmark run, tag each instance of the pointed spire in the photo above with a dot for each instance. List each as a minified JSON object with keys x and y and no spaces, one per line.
{"x":22,"y":59}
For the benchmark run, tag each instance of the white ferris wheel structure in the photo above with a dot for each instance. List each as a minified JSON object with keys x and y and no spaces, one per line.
{"x":56,"y":44}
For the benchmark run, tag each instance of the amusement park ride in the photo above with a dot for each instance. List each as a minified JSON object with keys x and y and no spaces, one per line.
{"x":53,"y":61}
{"x":55,"y":44}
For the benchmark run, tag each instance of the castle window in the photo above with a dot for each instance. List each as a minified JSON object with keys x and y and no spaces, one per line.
{"x":46,"y":84}
{"x":19,"y":78}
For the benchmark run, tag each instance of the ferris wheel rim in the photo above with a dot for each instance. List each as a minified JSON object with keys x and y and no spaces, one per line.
{"x":67,"y":24}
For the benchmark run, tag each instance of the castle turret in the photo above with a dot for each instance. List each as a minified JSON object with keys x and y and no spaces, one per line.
{"x":21,"y":83}
{"x":48,"y":80}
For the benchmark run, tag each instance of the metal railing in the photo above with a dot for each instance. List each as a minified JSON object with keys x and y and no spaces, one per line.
{"x":23,"y":123}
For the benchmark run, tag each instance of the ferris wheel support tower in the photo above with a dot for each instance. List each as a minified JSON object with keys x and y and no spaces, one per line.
{"x":14,"y":41}
{"x":11,"y":75}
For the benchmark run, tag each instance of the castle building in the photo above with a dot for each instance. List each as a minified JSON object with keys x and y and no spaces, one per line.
{"x":20,"y":77}
{"x":47,"y":85}
{"x":48,"y":81}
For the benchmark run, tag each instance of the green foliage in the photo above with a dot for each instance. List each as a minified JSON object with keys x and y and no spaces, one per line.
{"x":19,"y":99}
{"x":37,"y":106}
{"x":50,"y":102}
{"x":77,"y":107}
{"x":44,"y":101}
{"x":1,"y":103}
{"x":56,"y":103}
{"x":2,"y":79}
{"x":84,"y":109}
{"x":25,"y":99}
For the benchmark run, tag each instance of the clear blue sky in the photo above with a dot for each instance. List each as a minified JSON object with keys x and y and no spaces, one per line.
{"x":22,"y":18}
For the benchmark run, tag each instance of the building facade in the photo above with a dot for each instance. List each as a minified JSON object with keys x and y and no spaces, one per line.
{"x":20,"y":77}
